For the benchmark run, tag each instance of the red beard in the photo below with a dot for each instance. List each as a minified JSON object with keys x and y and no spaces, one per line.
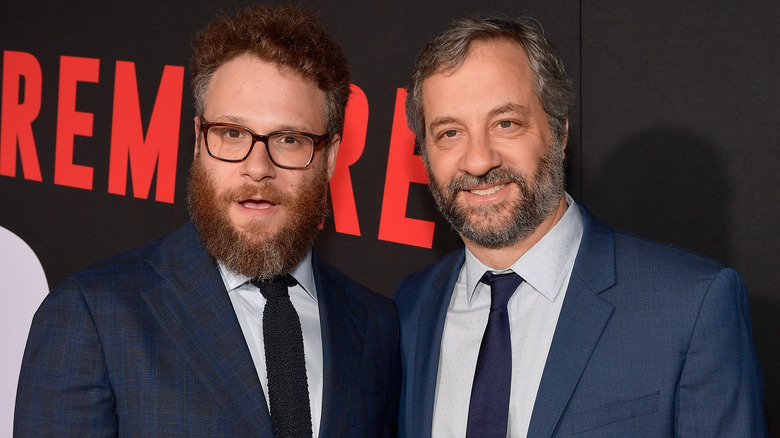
{"x":255,"y":251}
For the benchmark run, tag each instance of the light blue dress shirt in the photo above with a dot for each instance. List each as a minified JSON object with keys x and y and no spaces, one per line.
{"x":533,"y":315}
{"x":249,"y":303}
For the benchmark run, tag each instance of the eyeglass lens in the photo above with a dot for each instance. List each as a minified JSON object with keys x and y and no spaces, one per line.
{"x":285,"y":149}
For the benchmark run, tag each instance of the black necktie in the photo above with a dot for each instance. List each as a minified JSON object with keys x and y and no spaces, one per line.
{"x":288,"y":389}
{"x":489,"y":405}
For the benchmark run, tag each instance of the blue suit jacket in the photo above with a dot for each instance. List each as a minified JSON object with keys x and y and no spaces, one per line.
{"x":148,"y":344}
{"x":651,"y":341}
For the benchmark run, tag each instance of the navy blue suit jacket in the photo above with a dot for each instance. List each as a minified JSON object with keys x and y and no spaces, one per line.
{"x":651,"y":341}
{"x":148,"y":344}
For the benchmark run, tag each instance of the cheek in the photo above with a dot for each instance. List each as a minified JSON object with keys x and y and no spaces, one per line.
{"x":221,"y":177}
{"x":443,"y":164}
{"x":521,"y":155}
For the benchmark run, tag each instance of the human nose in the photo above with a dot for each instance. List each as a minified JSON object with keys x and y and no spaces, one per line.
{"x":258,"y":164}
{"x":480,"y":156}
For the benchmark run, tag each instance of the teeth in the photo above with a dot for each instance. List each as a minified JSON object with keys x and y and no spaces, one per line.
{"x":487,"y":191}
{"x":255,"y":205}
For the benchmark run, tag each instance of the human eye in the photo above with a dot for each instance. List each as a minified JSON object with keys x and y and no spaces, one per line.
{"x":447,"y":135}
{"x":446,"y":138}
{"x":507,"y":127}
{"x":290,"y":139}
{"x":228,"y":134}
{"x":234,"y":133}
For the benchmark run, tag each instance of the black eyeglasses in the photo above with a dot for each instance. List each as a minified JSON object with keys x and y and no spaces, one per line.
{"x":286,"y":149}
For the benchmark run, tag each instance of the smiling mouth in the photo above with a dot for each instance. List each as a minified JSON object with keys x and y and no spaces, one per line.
{"x":487,"y":191}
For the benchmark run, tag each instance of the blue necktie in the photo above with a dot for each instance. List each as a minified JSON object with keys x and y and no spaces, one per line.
{"x":489,"y":405}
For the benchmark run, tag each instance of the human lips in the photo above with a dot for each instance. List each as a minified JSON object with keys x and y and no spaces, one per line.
{"x":487,"y":191}
{"x":256,"y":203}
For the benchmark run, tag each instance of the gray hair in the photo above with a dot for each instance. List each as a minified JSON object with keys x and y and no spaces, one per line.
{"x":448,"y":51}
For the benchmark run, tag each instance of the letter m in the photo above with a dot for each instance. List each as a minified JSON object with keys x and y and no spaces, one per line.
{"x":129,"y":148}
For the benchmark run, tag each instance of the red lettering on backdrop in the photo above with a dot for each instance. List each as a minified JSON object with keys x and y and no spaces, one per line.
{"x":354,"y":141}
{"x":71,"y":123}
{"x":16,"y":117}
{"x":161,"y":145}
{"x":403,"y":168}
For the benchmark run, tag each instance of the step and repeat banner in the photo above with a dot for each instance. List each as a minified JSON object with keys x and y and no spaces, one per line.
{"x":672,"y":137}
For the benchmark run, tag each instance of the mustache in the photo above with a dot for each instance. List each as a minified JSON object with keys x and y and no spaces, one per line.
{"x":265,"y":191}
{"x":493,"y":176}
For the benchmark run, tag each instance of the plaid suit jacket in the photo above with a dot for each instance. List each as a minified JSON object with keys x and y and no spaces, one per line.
{"x":147,"y":344}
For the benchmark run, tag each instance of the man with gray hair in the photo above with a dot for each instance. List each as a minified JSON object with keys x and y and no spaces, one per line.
{"x":548,"y":322}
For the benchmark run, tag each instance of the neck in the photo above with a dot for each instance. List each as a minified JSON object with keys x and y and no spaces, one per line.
{"x":504,"y":257}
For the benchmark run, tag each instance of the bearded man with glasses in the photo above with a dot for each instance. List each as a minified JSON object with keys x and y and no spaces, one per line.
{"x":230,"y":326}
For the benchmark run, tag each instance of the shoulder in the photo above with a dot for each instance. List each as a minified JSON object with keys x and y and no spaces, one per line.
{"x":603,"y":247}
{"x":334,"y":281}
{"x":677,"y":274}
{"x":429,"y":279}
{"x":131,"y":271}
{"x":441,"y":267}
{"x":625,"y":268}
{"x":660,"y":271}
{"x":642,"y":255}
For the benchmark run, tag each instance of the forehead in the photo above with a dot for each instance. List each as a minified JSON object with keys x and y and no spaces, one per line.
{"x":254,"y":89}
{"x":493,"y":71}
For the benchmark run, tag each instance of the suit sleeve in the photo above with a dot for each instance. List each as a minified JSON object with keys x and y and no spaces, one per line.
{"x":721,"y":386}
{"x":64,"y":388}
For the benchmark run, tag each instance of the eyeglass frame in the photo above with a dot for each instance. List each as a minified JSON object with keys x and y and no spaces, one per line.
{"x":316,"y":139}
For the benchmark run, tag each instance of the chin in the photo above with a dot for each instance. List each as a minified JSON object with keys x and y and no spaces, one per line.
{"x":243,"y":222}
{"x":256,"y":228}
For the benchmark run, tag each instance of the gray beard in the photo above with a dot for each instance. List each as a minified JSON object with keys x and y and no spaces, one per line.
{"x":255,"y":252}
{"x":498,"y":226}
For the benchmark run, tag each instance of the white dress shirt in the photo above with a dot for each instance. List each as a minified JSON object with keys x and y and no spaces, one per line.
{"x":249,"y":303}
{"x":533,"y":314}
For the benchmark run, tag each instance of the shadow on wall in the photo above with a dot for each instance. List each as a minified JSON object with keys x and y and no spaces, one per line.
{"x":667,"y":184}
{"x":671,"y":185}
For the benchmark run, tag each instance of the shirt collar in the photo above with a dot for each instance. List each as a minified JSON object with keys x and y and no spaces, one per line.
{"x":559,"y":245}
{"x":302,"y":272}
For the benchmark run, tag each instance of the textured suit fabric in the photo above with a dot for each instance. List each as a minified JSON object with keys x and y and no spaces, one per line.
{"x":147,"y":344}
{"x":652,"y":341}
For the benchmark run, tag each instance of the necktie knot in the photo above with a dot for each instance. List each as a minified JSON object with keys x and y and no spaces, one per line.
{"x":275,"y":287}
{"x":502,"y":286}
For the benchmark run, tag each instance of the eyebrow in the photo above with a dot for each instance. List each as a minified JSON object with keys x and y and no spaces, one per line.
{"x":439,"y":121}
{"x":509,"y":108}
{"x":230,"y":119}
{"x":497,"y":111}
{"x":236,"y":120}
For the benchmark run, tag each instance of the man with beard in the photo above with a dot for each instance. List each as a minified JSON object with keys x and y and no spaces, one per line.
{"x":230,"y":326}
{"x":549,"y":323}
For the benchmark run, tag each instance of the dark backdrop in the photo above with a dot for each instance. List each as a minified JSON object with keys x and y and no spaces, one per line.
{"x":671,"y":138}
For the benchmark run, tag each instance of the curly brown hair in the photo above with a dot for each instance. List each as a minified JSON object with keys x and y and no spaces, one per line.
{"x":285,"y":35}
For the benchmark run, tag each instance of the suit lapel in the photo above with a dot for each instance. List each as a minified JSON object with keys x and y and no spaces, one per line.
{"x":343,"y":323}
{"x":433,"y":312}
{"x":194,"y":310}
{"x":582,"y":320}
